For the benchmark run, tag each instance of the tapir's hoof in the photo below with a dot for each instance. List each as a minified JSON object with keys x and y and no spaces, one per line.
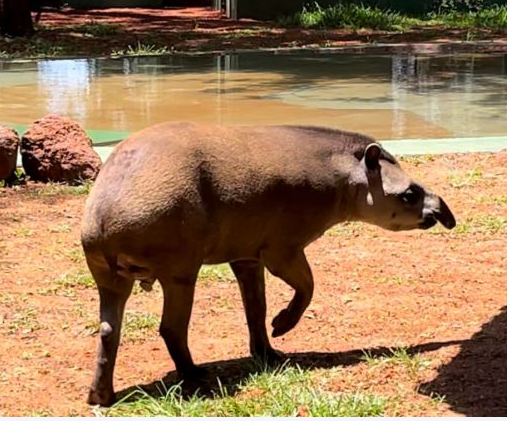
{"x":283,"y":322}
{"x":193,"y":373}
{"x":101,"y":397}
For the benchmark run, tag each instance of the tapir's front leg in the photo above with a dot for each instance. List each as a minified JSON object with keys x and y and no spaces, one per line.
{"x":292,"y":267}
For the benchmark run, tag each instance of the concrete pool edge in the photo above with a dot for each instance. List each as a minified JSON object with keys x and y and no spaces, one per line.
{"x":373,"y":48}
{"x":414,"y":146}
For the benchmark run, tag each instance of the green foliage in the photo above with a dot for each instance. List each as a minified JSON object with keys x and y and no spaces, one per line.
{"x":346,"y":16}
{"x":492,"y":18}
{"x":287,"y":391}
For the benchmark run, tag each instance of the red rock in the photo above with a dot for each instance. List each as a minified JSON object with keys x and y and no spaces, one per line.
{"x":9,"y":143}
{"x":57,"y":149}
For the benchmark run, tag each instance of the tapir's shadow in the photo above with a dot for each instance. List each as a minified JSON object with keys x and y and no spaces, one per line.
{"x":474,"y":382}
{"x":231,"y":373}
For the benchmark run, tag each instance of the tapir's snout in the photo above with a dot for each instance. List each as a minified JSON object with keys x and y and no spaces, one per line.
{"x":444,"y":215}
{"x":436,"y":210}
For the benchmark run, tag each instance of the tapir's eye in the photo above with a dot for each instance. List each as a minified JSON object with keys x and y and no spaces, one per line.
{"x":409,"y":197}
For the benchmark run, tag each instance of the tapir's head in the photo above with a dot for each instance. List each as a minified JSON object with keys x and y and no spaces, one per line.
{"x":392,"y":200}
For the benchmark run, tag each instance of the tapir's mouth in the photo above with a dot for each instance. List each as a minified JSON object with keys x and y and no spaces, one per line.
{"x":428,"y":222}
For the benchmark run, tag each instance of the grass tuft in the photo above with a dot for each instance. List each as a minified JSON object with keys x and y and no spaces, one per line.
{"x":352,"y":16}
{"x":399,"y":356}
{"x":286,"y":391}
{"x":141,"y":49}
{"x":56,"y":189}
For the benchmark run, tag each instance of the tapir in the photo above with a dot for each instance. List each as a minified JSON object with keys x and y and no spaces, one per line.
{"x":178,"y":195}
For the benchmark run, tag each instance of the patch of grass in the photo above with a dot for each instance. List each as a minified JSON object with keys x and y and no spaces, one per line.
{"x":494,"y":17}
{"x":97,"y":29}
{"x":4,"y":54}
{"x":345,"y":228}
{"x":138,"y":325}
{"x":287,"y":391}
{"x":399,"y":356}
{"x":60,"y":228}
{"x":498,"y":200}
{"x":392,"y":280}
{"x":39,"y":47}
{"x":76,"y":255}
{"x":23,"y":232}
{"x":221,"y":272}
{"x":141,"y":49}
{"x":23,"y":321}
{"x":80,"y":279}
{"x":353,"y":16}
{"x":56,"y":189}
{"x":417,"y":159}
{"x":67,"y":284}
{"x":477,"y":224}
{"x":469,"y":178}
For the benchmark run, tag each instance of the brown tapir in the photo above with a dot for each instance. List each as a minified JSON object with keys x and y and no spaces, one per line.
{"x":175,"y":196}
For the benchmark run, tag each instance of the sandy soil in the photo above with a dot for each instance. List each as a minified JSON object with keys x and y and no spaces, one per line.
{"x":203,"y":29}
{"x":440,"y":294}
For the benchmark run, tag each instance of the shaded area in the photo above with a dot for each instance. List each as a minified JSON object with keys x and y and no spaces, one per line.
{"x":233,"y":372}
{"x":475,"y":381}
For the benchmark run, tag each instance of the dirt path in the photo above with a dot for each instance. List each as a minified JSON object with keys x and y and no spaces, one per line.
{"x":439,"y":294}
{"x":202,"y":29}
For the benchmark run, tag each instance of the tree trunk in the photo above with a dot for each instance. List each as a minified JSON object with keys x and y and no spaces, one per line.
{"x":15,"y":18}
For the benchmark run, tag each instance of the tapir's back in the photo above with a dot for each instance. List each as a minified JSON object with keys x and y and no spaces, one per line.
{"x":170,"y":167}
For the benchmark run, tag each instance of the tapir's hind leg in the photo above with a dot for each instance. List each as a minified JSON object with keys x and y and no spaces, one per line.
{"x":178,"y":301}
{"x":113,"y":292}
{"x":292,"y":267}
{"x":250,"y":276}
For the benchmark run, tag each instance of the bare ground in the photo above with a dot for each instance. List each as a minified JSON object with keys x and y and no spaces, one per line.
{"x":441,"y":294}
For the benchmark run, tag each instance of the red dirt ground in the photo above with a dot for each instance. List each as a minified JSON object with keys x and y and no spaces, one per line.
{"x":439,"y":293}
{"x":202,"y":29}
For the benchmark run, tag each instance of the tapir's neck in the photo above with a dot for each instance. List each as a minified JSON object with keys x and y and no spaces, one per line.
{"x":349,"y":189}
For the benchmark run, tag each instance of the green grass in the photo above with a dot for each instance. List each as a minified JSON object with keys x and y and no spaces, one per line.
{"x":400,"y":357}
{"x":417,"y":159}
{"x":138,"y":325}
{"x":212,"y":273}
{"x":477,"y":224}
{"x":357,"y":16}
{"x":497,"y":200}
{"x":23,"y":321}
{"x":80,"y":279}
{"x":287,"y":391}
{"x":141,"y":49}
{"x":469,"y":178}
{"x":351,"y":16}
{"x":345,"y":228}
{"x":97,"y":29}
{"x":494,"y":17}
{"x":56,"y":189}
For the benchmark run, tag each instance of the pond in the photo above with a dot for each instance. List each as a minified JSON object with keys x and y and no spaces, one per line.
{"x":392,"y":97}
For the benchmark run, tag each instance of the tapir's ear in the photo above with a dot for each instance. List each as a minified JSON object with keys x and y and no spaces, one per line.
{"x":372,"y":156}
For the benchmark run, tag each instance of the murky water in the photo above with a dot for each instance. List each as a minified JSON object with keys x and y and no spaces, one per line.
{"x":390,"y":97}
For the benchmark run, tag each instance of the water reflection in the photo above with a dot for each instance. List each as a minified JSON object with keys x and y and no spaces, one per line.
{"x":389,"y":97}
